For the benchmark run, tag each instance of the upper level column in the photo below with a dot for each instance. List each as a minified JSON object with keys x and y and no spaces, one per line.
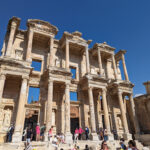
{"x":114,"y":67}
{"x":51,"y":58}
{"x":11,"y":38}
{"x":17,"y":136}
{"x":29,"y":46}
{"x":67,"y":54}
{"x":124,"y":67}
{"x":100,"y":62}
{"x":2,"y":83}
{"x":87,"y":60}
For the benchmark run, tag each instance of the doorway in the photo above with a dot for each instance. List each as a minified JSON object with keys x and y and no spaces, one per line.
{"x":31,"y":121}
{"x":74,"y":124}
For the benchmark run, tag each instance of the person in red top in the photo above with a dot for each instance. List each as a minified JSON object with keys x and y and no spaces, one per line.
{"x":38,"y":132}
{"x":50,"y":133}
{"x":80,"y":133}
{"x":76,"y":134}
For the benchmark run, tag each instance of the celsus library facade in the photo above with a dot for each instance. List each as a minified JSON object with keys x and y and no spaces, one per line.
{"x":62,"y":83}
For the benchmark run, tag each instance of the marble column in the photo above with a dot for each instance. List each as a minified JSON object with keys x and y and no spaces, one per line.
{"x":126,"y":134}
{"x":136,"y":123}
{"x":87,"y":60}
{"x":100,"y":62}
{"x":114,"y":67}
{"x":99,"y":112}
{"x":68,"y":135}
{"x":11,"y":38}
{"x":17,"y":136}
{"x":92,"y":114}
{"x":106,"y":114}
{"x":29,"y":45}
{"x":124,"y":68}
{"x":49,"y":109}
{"x":2,"y":83}
{"x":51,"y":58}
{"x":67,"y":54}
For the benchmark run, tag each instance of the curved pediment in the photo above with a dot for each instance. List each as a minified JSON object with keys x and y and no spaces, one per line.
{"x":42,"y":25}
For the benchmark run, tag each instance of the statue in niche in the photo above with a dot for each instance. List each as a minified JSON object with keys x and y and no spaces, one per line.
{"x":1,"y":118}
{"x":7,"y":118}
{"x":119,"y":122}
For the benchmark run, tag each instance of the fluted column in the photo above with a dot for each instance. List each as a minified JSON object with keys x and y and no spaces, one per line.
{"x":92,"y":115}
{"x":49,"y":109}
{"x":100,"y":62}
{"x":68,"y":136}
{"x":51,"y":58}
{"x":123,"y":115}
{"x":2,"y":83}
{"x":114,"y":66}
{"x":105,"y":108}
{"x":29,"y":46}
{"x":136,"y":123}
{"x":17,"y":137}
{"x":124,"y":68}
{"x":11,"y":38}
{"x":87,"y":60}
{"x":67,"y":54}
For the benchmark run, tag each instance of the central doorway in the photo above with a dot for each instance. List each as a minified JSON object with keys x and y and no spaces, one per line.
{"x":31,"y":121}
{"x":74,"y":124}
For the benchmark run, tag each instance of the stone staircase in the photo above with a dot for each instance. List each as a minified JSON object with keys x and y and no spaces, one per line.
{"x":94,"y":145}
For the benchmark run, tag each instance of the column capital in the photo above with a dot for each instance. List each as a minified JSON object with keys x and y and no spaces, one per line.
{"x":104,"y":90}
{"x":90,"y":88}
{"x":25,"y":77}
{"x":50,"y":80}
{"x":2,"y":76}
{"x":119,"y":91}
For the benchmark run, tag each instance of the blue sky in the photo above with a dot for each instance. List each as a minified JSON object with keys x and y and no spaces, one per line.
{"x":124,"y":24}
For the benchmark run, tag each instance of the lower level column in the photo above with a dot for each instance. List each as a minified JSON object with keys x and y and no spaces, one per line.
{"x":126,"y":134}
{"x":136,"y":123}
{"x":17,"y":136}
{"x":49,"y":109}
{"x":68,"y":135}
{"x":92,"y":115}
{"x":106,"y":114}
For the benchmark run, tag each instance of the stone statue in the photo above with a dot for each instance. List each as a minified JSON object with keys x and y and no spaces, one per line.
{"x":119,"y":122}
{"x":1,"y":118}
{"x":7,"y":118}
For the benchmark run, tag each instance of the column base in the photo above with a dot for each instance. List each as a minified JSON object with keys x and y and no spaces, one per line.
{"x":68,"y":138}
{"x":17,"y":137}
{"x":127,"y":136}
{"x":46,"y":136}
{"x":110,"y":137}
{"x":94,"y":137}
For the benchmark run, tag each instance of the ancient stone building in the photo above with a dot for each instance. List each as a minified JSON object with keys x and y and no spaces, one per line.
{"x":66,"y":66}
{"x":142,"y":108}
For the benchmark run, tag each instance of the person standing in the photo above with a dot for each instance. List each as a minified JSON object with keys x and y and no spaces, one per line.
{"x":87,"y":133}
{"x":38,"y":132}
{"x":105,"y":135}
{"x":42,"y":130}
{"x":123,"y":146}
{"x":29,"y":135}
{"x":76,"y":134}
{"x":80,"y":133}
{"x":50,"y":133}
{"x":10,"y":133}
{"x":101,"y":134}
